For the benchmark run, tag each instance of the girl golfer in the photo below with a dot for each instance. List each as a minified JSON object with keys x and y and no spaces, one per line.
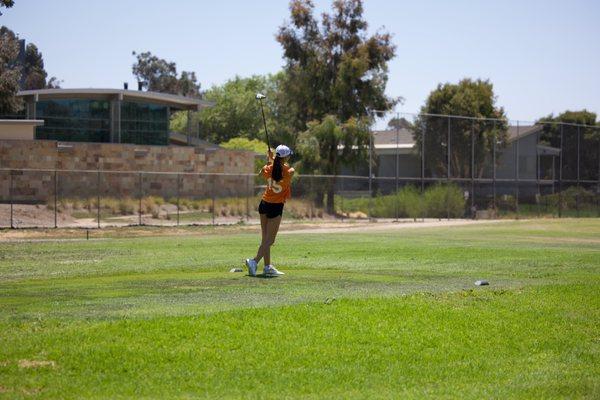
{"x":279,"y":176}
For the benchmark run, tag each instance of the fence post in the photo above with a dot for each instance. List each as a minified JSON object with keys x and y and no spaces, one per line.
{"x":248,"y":196}
{"x":140,"y":199}
{"x":397,"y":164}
{"x":178,"y":195}
{"x":423,"y":129}
{"x":448,"y":157}
{"x":98,"y":197}
{"x":537,"y":175}
{"x":10,"y":197}
{"x":517,"y":173}
{"x":578,"y":159}
{"x":213,"y":199}
{"x":55,"y":200}
{"x":560,"y":164}
{"x":370,"y":174}
{"x":312,"y":202}
{"x":473,"y":215}
{"x":494,"y":168}
{"x":342,"y":198}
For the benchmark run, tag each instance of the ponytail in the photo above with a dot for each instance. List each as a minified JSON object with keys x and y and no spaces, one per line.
{"x":277,"y":172}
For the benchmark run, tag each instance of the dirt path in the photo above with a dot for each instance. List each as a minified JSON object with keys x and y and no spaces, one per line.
{"x":388,"y":226}
{"x":290,"y":227}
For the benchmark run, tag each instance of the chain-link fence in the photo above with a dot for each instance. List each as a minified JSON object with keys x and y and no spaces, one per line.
{"x":416,"y":166}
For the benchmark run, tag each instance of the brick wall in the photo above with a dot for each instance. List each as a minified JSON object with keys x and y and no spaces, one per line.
{"x":30,"y":186}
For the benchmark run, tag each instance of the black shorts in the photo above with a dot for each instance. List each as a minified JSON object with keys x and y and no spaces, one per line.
{"x":271,"y":209}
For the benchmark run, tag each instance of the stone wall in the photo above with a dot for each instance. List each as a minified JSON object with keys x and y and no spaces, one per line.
{"x":125,"y":170}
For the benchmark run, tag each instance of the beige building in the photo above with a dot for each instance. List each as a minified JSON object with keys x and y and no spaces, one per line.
{"x":18,"y":129}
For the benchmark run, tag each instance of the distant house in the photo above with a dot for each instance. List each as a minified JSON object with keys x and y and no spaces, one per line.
{"x":396,"y":154}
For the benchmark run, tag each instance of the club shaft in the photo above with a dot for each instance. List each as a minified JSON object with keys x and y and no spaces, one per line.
{"x":265,"y":123}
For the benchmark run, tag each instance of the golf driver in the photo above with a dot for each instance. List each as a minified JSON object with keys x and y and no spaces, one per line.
{"x":260,"y":97}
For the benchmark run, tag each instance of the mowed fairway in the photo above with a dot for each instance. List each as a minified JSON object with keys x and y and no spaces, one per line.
{"x":358,"y":315}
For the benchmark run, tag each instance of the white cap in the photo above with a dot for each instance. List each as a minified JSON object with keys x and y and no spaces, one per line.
{"x":283,"y":151}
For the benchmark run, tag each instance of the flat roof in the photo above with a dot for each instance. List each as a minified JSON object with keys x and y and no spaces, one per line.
{"x":33,"y":122}
{"x":171,"y":100}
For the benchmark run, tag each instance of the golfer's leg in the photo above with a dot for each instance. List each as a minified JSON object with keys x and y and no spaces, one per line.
{"x":263,"y":228}
{"x":272,"y":228}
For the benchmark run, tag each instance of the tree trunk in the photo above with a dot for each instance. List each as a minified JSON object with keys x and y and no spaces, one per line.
{"x":319,"y":198}
{"x":331,"y":197}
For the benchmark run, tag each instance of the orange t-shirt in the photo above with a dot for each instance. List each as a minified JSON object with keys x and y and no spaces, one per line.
{"x":277,"y":192}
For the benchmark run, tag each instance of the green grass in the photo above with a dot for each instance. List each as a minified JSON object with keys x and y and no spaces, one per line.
{"x":358,"y":315}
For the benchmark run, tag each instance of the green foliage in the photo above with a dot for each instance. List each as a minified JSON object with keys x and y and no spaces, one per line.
{"x":159,"y":75}
{"x":582,"y":117}
{"x":349,"y":70}
{"x":12,"y":70}
{"x":35,"y":74}
{"x":399,"y":123}
{"x":587,"y":133}
{"x":438,"y":201}
{"x":6,"y":4}
{"x":407,"y":203}
{"x":570,"y":199}
{"x":328,"y":144}
{"x":348,"y":67}
{"x":319,"y":146}
{"x":242,"y":143}
{"x":471,"y":98}
{"x":10,"y":73}
{"x":236,"y":112}
{"x":444,"y":200}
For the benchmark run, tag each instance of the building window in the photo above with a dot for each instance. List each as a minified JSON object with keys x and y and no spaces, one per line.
{"x":144,"y":123}
{"x":75,"y":120}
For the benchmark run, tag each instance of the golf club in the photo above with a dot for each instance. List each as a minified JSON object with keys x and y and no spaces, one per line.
{"x":260,"y":97}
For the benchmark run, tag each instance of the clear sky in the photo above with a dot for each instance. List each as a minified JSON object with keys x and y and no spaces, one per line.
{"x":541,"y":56}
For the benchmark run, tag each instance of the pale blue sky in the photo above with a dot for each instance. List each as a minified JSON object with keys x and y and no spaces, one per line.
{"x":542,"y":56}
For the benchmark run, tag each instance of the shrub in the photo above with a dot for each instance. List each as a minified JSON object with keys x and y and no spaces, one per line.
{"x":506,"y":202}
{"x":127,"y":206}
{"x":110,"y":204}
{"x":76,"y":204}
{"x":410,"y":202}
{"x":148,"y":205}
{"x":158,"y":200}
{"x":441,"y":201}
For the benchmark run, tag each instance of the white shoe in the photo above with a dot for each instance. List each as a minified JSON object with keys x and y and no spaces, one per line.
{"x":272,"y":271}
{"x":251,"y":264}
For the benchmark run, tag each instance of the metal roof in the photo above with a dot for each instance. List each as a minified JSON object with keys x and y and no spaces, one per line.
{"x":387,"y":138}
{"x":522,"y":131}
{"x":171,"y":100}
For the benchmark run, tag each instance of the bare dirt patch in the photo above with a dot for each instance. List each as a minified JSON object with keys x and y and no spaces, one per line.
{"x":36,"y":364}
{"x":32,"y":215}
